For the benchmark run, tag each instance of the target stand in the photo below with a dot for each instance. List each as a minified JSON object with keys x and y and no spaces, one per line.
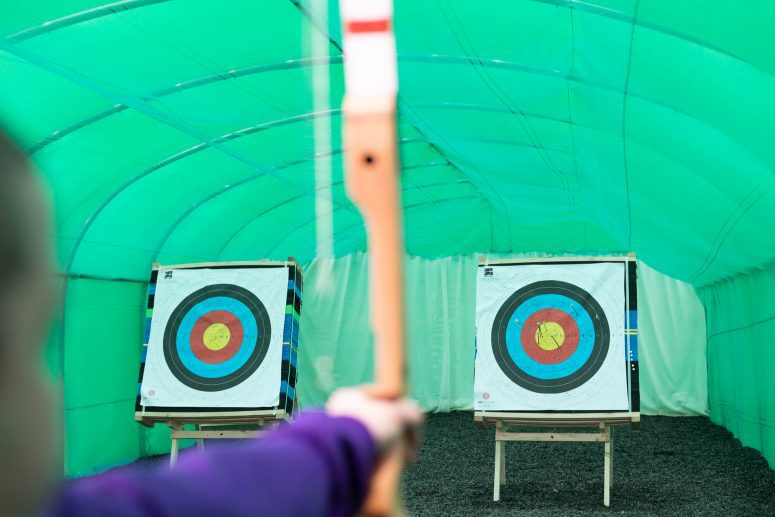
{"x":594,"y":427}
{"x":214,"y":426}
{"x":556,"y":348}
{"x":220,"y":349}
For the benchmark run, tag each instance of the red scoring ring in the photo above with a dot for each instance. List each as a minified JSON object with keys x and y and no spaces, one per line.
{"x":224,"y":354}
{"x":568,"y":346}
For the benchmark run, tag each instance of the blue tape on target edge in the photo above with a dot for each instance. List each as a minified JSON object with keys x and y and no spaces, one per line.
{"x":290,"y":328}
{"x":289,"y":355}
{"x":632,"y":335}
{"x":632,"y":344}
{"x":284,"y":388}
{"x":147,"y":332}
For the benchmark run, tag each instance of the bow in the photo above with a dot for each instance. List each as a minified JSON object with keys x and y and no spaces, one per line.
{"x":372,"y":168}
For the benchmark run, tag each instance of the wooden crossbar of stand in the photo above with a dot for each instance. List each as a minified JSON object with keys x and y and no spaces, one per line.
{"x":213,"y":432}
{"x":603,"y":422}
{"x":212,"y":426}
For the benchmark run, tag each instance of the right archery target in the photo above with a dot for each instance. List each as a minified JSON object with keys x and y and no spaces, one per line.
{"x":550,"y":337}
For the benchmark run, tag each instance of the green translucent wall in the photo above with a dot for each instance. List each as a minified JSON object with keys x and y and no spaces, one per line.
{"x":181,"y":130}
{"x":741,"y":323}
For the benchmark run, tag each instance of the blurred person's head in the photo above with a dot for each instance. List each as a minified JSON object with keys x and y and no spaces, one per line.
{"x":27,"y":434}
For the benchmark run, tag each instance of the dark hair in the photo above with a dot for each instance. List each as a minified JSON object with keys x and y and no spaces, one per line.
{"x":14,"y":245}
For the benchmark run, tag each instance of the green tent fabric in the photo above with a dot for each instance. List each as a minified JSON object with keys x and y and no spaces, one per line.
{"x":182,"y":130}
{"x":741,"y":386}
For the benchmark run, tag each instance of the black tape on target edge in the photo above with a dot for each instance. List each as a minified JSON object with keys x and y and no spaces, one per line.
{"x":299,"y":278}
{"x":632,"y":303}
{"x":632,"y":281}
{"x":138,"y":405}
{"x":292,"y":300}
{"x":286,"y":403}
{"x":289,"y":373}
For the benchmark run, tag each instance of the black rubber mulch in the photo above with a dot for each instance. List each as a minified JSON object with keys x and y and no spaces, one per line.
{"x":672,"y":466}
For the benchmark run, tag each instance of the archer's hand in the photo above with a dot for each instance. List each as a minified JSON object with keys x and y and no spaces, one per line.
{"x":388,"y":421}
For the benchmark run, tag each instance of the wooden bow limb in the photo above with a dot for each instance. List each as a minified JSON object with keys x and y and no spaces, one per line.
{"x":373,"y":183}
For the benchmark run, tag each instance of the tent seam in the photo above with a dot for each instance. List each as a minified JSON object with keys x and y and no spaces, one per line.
{"x":255,"y":217}
{"x":625,"y":96}
{"x":360,"y":224}
{"x":470,"y":53}
{"x":622,"y":17}
{"x":80,"y":17}
{"x":733,"y":219}
{"x":188,"y":85}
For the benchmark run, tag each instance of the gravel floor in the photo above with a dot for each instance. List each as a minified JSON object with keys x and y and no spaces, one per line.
{"x":672,"y":466}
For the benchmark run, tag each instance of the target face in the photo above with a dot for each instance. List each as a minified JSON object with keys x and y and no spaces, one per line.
{"x":550,"y":337}
{"x":216,"y":337}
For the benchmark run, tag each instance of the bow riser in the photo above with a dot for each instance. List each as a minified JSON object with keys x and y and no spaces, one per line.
{"x":373,"y":183}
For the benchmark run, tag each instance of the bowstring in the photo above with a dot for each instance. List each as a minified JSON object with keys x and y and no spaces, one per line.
{"x":321,"y":102}
{"x":323,"y":265}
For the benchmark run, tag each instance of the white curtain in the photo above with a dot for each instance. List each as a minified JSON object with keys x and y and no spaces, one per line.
{"x":336,"y":343}
{"x":673,"y":362}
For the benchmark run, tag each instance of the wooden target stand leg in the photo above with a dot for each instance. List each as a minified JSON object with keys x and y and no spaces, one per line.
{"x":175,"y":445}
{"x":500,"y":467}
{"x":608,"y":465}
{"x":503,"y":463}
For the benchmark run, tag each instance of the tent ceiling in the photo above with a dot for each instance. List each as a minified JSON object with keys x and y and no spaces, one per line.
{"x":180,"y":130}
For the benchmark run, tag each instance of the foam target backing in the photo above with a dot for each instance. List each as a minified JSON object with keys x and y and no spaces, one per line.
{"x":556,"y":337}
{"x":221,"y":338}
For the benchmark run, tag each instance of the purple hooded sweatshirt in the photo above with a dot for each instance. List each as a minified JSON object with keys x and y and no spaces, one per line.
{"x":319,"y":465}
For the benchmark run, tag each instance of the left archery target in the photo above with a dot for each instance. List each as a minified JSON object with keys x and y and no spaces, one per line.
{"x":216,"y":337}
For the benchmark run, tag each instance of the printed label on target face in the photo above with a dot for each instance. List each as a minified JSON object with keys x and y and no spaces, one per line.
{"x":551,"y":338}
{"x":216,"y":338}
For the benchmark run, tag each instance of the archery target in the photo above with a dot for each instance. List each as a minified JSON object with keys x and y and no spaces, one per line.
{"x":216,"y":338}
{"x":551,"y":337}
